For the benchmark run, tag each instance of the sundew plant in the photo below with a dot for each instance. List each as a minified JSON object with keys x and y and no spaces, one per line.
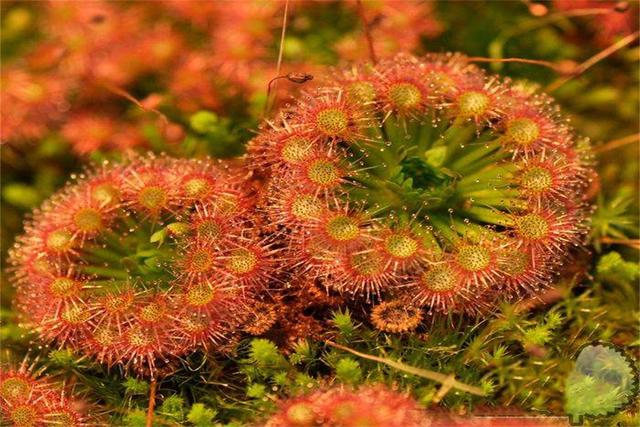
{"x":297,"y":213}
{"x":139,"y":263}
{"x":426,"y":180}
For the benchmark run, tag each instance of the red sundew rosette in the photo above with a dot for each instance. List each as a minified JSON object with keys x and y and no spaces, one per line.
{"x":459,"y":280}
{"x":83,"y":212}
{"x":443,"y":74}
{"x":322,"y":173}
{"x":119,"y":249}
{"x":104,"y":343}
{"x":432,"y":147}
{"x":358,"y":84}
{"x":199,"y":261}
{"x":200,"y":183}
{"x":147,"y":340}
{"x":250,"y":263}
{"x":210,"y":225}
{"x":57,"y":304}
{"x":151,"y":189}
{"x":478,"y":262}
{"x":442,"y":286}
{"x":16,"y":387}
{"x":338,"y":250}
{"x":341,"y":229}
{"x":55,"y":239}
{"x":308,"y":256}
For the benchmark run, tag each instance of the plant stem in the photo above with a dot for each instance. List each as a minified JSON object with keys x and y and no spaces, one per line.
{"x":268,"y":102}
{"x":594,"y":60}
{"x":152,"y":402}
{"x":617,"y":143}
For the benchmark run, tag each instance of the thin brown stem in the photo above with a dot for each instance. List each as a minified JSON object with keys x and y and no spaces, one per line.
{"x":446,"y":380}
{"x":268,"y":103}
{"x":152,"y":402}
{"x":594,"y":60}
{"x":541,"y":21}
{"x":632,"y":243}
{"x":292,"y":77}
{"x":367,"y":32}
{"x":282,"y":35}
{"x":540,"y":62}
{"x":270,"y":85}
{"x":617,"y":143}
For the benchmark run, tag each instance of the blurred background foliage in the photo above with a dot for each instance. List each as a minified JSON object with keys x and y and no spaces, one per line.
{"x":85,"y":83}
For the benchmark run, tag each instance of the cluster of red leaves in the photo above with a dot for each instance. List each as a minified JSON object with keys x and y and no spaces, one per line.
{"x":328,"y":183}
{"x":136,"y":264}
